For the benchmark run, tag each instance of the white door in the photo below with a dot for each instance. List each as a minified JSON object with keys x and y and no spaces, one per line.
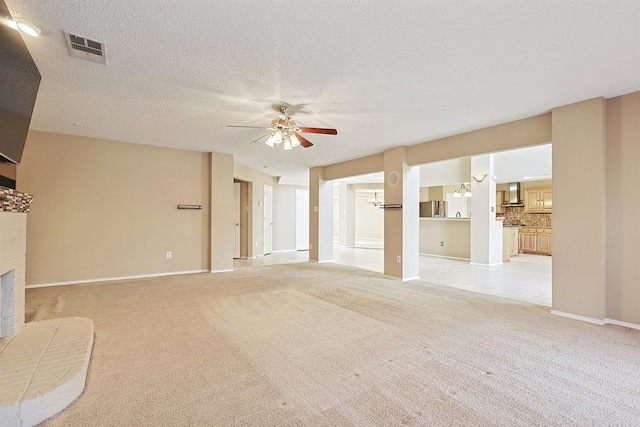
{"x":302,"y":220}
{"x":236,"y":220}
{"x":268,"y":219}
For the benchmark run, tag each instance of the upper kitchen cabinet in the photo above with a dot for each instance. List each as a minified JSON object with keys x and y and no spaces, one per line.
{"x":500,"y":202}
{"x":538,"y":200}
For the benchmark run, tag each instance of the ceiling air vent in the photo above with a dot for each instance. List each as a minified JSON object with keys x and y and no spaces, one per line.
{"x":84,"y":48}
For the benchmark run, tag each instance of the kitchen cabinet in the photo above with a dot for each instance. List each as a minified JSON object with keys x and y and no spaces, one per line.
{"x":514,"y":240}
{"x":536,"y":240}
{"x":499,"y":202}
{"x":510,"y":242}
{"x":538,"y":200}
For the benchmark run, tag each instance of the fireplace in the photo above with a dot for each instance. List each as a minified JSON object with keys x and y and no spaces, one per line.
{"x":14,"y":206}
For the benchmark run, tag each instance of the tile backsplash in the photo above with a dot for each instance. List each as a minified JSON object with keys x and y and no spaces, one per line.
{"x":14,"y":201}
{"x":517,"y":215}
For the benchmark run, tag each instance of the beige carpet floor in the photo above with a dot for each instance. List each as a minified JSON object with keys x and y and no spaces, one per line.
{"x":326,"y":345}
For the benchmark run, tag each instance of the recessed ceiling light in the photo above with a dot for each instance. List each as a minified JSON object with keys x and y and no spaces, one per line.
{"x":526,"y":177}
{"x":24,"y":26}
{"x":30,"y":29}
{"x":11,"y":23}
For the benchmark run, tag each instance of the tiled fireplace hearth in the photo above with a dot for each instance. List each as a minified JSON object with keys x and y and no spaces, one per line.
{"x":44,"y":364}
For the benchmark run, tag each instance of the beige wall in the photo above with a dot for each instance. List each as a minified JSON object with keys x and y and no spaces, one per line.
{"x":320,"y":216}
{"x":455,"y":233}
{"x":361,"y":166}
{"x":579,"y":240}
{"x":623,"y":208}
{"x":222,"y":212}
{"x":105,"y":209}
{"x":520,"y":133}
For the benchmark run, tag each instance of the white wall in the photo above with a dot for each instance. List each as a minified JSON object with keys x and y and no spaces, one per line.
{"x":369,"y":220}
{"x":284,"y":217}
{"x":515,"y":164}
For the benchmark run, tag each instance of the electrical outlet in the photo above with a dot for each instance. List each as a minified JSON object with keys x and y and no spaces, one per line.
{"x":398,"y":259}
{"x":169,"y":254}
{"x":441,"y":243}
{"x":310,"y":246}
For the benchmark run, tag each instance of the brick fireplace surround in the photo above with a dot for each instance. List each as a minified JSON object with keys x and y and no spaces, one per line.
{"x":43,"y":365}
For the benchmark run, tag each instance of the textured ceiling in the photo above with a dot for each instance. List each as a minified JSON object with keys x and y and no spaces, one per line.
{"x":384,"y":73}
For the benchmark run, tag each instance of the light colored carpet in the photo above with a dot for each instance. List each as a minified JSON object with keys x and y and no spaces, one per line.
{"x":326,"y":345}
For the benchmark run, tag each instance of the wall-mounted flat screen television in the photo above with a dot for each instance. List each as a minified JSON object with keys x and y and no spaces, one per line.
{"x":19,"y":83}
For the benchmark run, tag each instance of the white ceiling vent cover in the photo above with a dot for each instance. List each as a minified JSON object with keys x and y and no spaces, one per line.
{"x":84,"y":48}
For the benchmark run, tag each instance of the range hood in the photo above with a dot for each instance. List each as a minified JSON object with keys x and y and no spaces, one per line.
{"x":513,"y":195}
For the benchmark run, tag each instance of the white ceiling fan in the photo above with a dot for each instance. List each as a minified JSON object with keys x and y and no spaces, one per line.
{"x":285,"y":131}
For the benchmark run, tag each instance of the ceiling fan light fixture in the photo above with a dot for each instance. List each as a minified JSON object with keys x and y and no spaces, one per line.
{"x":295,"y":142}
{"x":270,"y":141}
{"x":287,"y":143}
{"x":284,"y":130}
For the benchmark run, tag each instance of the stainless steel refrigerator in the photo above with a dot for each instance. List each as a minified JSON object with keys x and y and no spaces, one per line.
{"x":433,"y":209}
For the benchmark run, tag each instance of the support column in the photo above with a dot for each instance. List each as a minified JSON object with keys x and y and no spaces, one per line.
{"x":222,"y":223}
{"x":486,"y":232}
{"x":347,"y":212}
{"x":320,"y":216}
{"x":401,"y":226}
{"x":579,"y":143}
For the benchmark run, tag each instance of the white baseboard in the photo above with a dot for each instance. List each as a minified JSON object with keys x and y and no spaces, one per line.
{"x":619,"y":323}
{"x":596,"y":321}
{"x":577,"y":317}
{"x":221,"y":271}
{"x":445,"y":256}
{"x":485,"y":265}
{"x":321,"y":262}
{"x":406,"y":279}
{"x":111,"y":279}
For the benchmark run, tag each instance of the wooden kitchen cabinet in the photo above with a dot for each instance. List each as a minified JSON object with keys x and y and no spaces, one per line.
{"x":515,"y":238}
{"x":536,"y":240}
{"x":538,"y":200}
{"x":499,"y":202}
{"x":510,"y":242}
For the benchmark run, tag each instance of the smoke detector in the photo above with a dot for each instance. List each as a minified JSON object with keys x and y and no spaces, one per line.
{"x":85,"y":48}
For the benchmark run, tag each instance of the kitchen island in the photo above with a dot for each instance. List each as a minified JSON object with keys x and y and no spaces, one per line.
{"x":446,"y":237}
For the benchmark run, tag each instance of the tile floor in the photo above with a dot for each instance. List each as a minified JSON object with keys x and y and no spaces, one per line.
{"x":524,"y":278}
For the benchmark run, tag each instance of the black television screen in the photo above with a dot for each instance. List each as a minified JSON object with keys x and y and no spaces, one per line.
{"x":19,"y":83}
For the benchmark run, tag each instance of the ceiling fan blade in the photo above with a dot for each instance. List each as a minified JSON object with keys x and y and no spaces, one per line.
{"x":250,"y":127}
{"x":303,"y":141}
{"x":255,"y":141}
{"x":319,"y":130}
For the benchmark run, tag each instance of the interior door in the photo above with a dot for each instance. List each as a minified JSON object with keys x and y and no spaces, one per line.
{"x":268,"y":219}
{"x":302,"y":220}
{"x":236,"y":220}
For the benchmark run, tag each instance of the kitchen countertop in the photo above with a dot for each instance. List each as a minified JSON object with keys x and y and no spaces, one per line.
{"x":435,"y":218}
